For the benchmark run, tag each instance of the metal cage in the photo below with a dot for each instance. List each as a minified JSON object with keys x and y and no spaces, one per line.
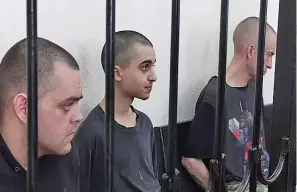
{"x":286,"y":54}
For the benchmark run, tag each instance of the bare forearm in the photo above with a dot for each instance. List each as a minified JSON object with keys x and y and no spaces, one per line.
{"x":197,"y":170}
{"x":200,"y":180}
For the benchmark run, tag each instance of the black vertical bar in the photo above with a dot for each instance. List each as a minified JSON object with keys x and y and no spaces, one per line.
{"x":254,"y":159}
{"x":291,"y":161}
{"x":220,"y":119}
{"x":220,"y":100}
{"x":32,"y":92}
{"x":284,"y":97}
{"x":109,"y":88}
{"x":173,"y":92}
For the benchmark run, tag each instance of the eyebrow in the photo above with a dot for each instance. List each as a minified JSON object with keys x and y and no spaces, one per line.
{"x":72,"y":98}
{"x":148,"y":61}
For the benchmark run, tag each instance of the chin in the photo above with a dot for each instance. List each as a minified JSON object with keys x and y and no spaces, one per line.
{"x":65,"y":150}
{"x":144,"y":97}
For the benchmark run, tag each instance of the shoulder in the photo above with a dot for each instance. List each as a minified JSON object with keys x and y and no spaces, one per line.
{"x":209,"y":92}
{"x":142,"y":114}
{"x":93,"y":123}
{"x":90,"y":129}
{"x":144,"y":118}
{"x":205,"y":106}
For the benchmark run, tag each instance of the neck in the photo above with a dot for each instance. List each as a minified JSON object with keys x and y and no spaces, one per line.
{"x":237,"y":73}
{"x":15,"y":137}
{"x":122,"y":104}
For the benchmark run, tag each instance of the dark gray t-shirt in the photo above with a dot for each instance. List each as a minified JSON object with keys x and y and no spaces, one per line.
{"x":134,"y":154}
{"x":238,"y":135}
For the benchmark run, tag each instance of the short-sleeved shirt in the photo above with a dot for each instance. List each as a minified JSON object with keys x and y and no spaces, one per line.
{"x":135,"y":166}
{"x":55,"y":173}
{"x":238,"y":135}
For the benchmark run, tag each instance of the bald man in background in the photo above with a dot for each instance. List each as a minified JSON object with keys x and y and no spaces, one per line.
{"x":239,"y":96}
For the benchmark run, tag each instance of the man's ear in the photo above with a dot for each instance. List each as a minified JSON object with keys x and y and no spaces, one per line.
{"x":117,"y":73}
{"x":250,"y":50}
{"x":20,"y":107}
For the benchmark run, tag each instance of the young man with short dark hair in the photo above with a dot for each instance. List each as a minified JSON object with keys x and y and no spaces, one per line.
{"x":59,"y":91}
{"x":134,"y":141}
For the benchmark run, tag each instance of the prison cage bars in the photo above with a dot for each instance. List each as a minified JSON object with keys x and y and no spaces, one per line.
{"x":32,"y":93}
{"x":173,"y":170}
{"x":217,"y":164}
{"x":256,"y":149}
{"x":109,"y":88}
{"x":254,"y":152}
{"x":217,"y":167}
{"x":172,"y":175}
{"x":254,"y":158}
{"x":284,"y":99}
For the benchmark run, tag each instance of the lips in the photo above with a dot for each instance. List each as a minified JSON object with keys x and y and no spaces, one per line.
{"x":72,"y":133}
{"x":149,"y":87}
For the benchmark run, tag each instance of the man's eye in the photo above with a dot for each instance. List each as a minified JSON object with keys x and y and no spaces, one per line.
{"x":68,"y":106}
{"x":145,"y":67}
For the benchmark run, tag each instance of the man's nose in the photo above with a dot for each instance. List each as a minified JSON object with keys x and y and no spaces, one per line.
{"x":78,"y":117}
{"x":153,"y":76}
{"x":269,"y":65}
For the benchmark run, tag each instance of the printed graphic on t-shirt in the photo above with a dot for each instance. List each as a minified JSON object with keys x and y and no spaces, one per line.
{"x":242,"y":131}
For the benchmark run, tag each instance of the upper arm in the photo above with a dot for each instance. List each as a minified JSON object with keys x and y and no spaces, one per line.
{"x":155,"y":155}
{"x":200,"y":138}
{"x":153,"y":148}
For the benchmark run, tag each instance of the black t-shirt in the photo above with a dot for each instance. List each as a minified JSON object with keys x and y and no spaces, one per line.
{"x":238,"y":135}
{"x":55,"y":173}
{"x":135,"y":166}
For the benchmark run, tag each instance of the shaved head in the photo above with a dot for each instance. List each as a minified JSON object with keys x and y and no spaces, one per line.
{"x":245,"y":39}
{"x":246,"y":33}
{"x":13,"y":68}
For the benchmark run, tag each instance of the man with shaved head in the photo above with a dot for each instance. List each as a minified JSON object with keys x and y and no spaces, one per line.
{"x":245,"y":40}
{"x":134,"y":141}
{"x":59,"y":91}
{"x":239,"y":100}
